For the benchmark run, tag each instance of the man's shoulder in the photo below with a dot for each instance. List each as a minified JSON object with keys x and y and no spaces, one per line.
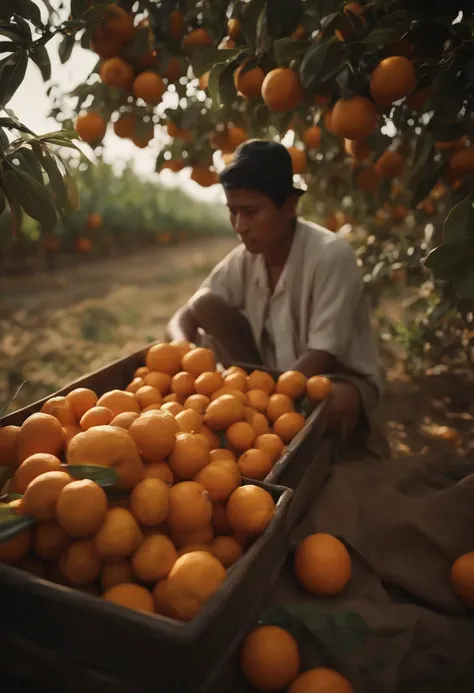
{"x":323,"y":243}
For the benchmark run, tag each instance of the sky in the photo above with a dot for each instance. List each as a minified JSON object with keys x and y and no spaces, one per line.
{"x":32,"y":106}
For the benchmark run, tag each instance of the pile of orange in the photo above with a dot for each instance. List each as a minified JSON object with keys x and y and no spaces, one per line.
{"x":180,"y":438}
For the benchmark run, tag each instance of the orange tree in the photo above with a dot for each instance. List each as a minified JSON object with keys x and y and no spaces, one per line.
{"x":376,"y":95}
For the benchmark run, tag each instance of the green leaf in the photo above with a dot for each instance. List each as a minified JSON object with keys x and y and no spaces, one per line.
{"x":16,"y":216}
{"x":424,"y":181}
{"x":12,"y":123}
{"x":7,"y":46}
{"x":286,"y":50}
{"x":55,"y":178}
{"x":319,"y":9}
{"x":204,"y":60}
{"x":4,"y":141}
{"x":96,"y":13}
{"x":447,"y":254}
{"x":282,"y":17}
{"x":35,"y":198}
{"x":3,"y":201}
{"x":29,"y":163}
{"x":13,"y":524}
{"x":103,"y":476}
{"x":459,"y":223}
{"x":464,"y":284}
{"x":23,"y":28}
{"x":252,"y":11}
{"x":57,"y":134}
{"x":322,"y":62}
{"x":29,"y":10}
{"x":12,"y":75}
{"x":66,"y":47}
{"x":214,"y":79}
{"x":72,"y":192}
{"x":381,"y":35}
{"x":41,"y":58}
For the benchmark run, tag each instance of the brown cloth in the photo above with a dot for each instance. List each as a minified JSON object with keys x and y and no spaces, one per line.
{"x":404,"y":523}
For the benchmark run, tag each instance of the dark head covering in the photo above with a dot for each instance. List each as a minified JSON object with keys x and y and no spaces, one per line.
{"x":262,"y":166}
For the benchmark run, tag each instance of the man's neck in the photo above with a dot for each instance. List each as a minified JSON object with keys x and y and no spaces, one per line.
{"x":279,"y":255}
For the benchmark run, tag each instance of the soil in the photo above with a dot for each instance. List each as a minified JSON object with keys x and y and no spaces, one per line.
{"x":58,"y":325}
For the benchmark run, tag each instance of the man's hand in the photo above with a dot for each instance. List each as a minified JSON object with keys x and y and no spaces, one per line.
{"x":182,"y":327}
{"x":315,"y":363}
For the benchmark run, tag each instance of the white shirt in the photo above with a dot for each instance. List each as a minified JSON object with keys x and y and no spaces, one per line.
{"x":318,"y":303}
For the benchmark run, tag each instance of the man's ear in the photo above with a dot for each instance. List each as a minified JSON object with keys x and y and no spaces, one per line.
{"x":290,"y":206}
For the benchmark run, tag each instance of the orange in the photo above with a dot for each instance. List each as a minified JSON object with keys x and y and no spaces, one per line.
{"x":176,"y":24}
{"x":152,"y":407}
{"x":91,"y":128}
{"x":292,"y":384}
{"x":32,"y":467}
{"x":183,"y":384}
{"x":278,"y":404}
{"x":318,"y":388}
{"x":223,"y":412}
{"x":259,"y":423}
{"x":159,"y":470}
{"x":393,"y":79}
{"x":390,"y":164}
{"x":287,"y":426}
{"x":260,"y":380}
{"x":236,"y":381}
{"x":189,"y":421}
{"x":321,"y":679}
{"x":134,"y":385}
{"x":131,"y":596}
{"x":222,"y":454}
{"x":155,"y":434}
{"x":147,"y":395}
{"x":219,"y":479}
{"x":462,"y":579}
{"x":60,"y":408}
{"x":197,"y":402}
{"x":81,"y":399}
{"x":109,"y":446}
{"x":299,"y":160}
{"x":150,"y":87}
{"x":271,"y":444}
{"x":96,"y":416}
{"x":8,"y":446}
{"x":194,"y":547}
{"x":160,"y":381}
{"x":208,"y":382}
{"x":141,"y":372}
{"x":250,"y":509}
{"x":125,"y":419}
{"x":81,"y":563}
{"x":358,"y":149}
{"x":255,"y":464}
{"x":462,"y":162}
{"x":39,"y":433}
{"x":202,"y":537}
{"x":183,"y":346}
{"x":165,"y":358}
{"x":116,"y":25}
{"x":198,"y":361}
{"x":115,"y":574}
{"x":258,"y":399}
{"x":124,"y":127}
{"x":282,"y":90}
{"x":81,"y":508}
{"x":149,"y":502}
{"x":117,"y":73}
{"x":49,"y":540}
{"x":269,"y":658}
{"x":70,"y":430}
{"x":227,"y":391}
{"x":154,"y":559}
{"x":189,"y":455}
{"x":41,"y":495}
{"x":13,"y":550}
{"x":249,"y":83}
{"x":119,"y":401}
{"x":219,"y":519}
{"x":240,"y":436}
{"x":119,"y":536}
{"x":354,"y":118}
{"x":227,"y":550}
{"x":174,"y":69}
{"x":311,"y":137}
{"x":235,"y":137}
{"x":322,"y":565}
{"x":174,"y":408}
{"x":193,"y":579}
{"x":144,"y":138}
{"x":204,"y":176}
{"x":212,"y":438}
{"x":234,"y":27}
{"x":190,"y":507}
{"x":197,"y":37}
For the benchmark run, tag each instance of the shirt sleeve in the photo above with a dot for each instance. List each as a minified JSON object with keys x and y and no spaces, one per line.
{"x":227,"y":279}
{"x":337,"y":290}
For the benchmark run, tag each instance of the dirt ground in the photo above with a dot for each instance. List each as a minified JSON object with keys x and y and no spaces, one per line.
{"x":59,"y":325}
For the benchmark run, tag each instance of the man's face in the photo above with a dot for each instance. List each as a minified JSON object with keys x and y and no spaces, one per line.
{"x":260,"y":224}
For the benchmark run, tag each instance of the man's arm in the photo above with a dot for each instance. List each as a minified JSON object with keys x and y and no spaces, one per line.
{"x":182,"y":327}
{"x":314,"y":362}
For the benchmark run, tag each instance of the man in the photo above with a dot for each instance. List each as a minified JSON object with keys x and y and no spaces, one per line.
{"x":291,"y":296}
